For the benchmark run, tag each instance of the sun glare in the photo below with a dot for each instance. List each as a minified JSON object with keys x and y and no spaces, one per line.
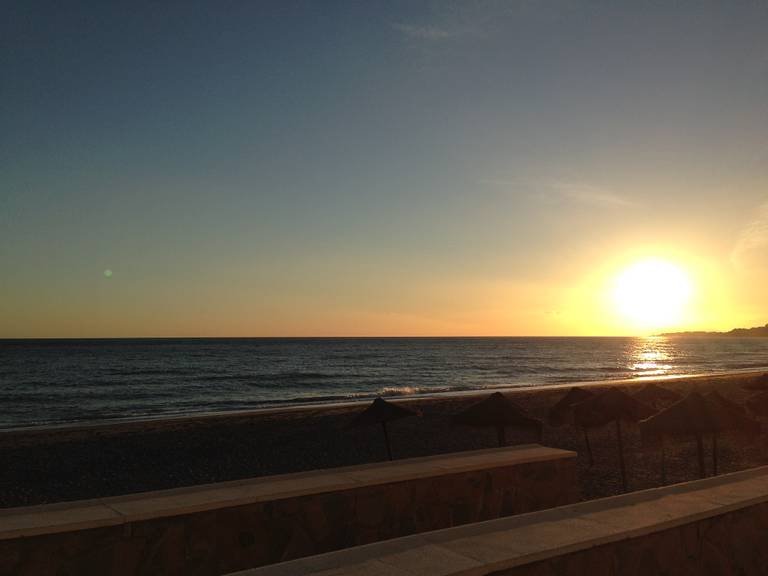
{"x":652,"y":294}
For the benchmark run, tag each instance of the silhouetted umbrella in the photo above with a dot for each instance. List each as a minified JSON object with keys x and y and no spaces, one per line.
{"x":562,"y":412}
{"x":656,"y":396}
{"x":380,"y":412}
{"x":696,"y":416}
{"x":729,"y":416}
{"x":757,"y":384}
{"x":758,"y":404}
{"x":616,"y":406}
{"x":497,"y":411}
{"x":689,"y":416}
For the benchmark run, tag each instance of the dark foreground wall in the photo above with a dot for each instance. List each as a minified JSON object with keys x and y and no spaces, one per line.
{"x":219,"y":528}
{"x":732,"y":544}
{"x":717,"y":527}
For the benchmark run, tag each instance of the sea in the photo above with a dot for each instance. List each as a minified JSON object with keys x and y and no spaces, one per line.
{"x":44,"y":382}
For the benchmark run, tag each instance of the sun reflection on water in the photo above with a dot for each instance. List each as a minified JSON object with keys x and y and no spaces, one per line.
{"x":651,"y":357}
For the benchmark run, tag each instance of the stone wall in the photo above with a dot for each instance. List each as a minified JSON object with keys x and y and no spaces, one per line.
{"x":732,"y":544}
{"x":220,"y":528}
{"x":717,"y":526}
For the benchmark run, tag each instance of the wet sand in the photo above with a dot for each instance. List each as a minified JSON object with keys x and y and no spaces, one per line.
{"x":77,"y":462}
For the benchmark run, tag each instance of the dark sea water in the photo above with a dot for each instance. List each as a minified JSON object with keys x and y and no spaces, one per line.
{"x":56,"y":381}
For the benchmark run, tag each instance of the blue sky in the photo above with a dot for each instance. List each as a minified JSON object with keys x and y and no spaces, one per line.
{"x":358,"y":168}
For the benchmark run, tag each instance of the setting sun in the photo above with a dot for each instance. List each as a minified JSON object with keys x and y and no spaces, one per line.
{"x":652,"y":293}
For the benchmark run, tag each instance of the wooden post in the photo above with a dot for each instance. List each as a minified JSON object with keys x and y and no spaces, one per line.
{"x":501,"y":434}
{"x":386,"y":440}
{"x":700,"y":449}
{"x":714,"y":453}
{"x":663,"y":464}
{"x":621,"y":456}
{"x":589,"y":448}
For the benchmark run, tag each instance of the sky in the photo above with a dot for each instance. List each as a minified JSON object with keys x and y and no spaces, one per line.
{"x":378,"y":168}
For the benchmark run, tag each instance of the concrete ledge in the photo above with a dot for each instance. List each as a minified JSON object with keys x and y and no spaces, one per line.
{"x":219,"y":528}
{"x":499,"y":546}
{"x":86,"y":514}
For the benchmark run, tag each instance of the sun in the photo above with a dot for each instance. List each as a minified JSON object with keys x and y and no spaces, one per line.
{"x":652,"y":293}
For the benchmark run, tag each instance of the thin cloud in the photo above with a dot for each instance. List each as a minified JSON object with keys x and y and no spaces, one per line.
{"x":589,"y":194}
{"x":576,"y":192}
{"x":752,"y":245}
{"x":427,"y":33}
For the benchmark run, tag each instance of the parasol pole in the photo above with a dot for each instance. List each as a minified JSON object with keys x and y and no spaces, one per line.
{"x":589,"y":447}
{"x":386,"y":440}
{"x":501,"y":434}
{"x":621,"y":455}
{"x":700,"y":450}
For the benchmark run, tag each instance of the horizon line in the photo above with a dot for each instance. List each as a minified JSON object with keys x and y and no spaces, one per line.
{"x":328,"y":337}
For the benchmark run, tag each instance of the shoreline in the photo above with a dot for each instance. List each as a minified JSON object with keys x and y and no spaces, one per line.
{"x":162,"y":420}
{"x":63,"y":463}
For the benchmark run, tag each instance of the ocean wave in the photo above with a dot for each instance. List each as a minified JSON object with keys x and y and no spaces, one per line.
{"x":412,"y":390}
{"x":742,"y":365}
{"x":55,"y":381}
{"x":175,"y":370}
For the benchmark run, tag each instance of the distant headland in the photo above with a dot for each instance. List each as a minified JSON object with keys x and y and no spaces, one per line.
{"x":758,"y":331}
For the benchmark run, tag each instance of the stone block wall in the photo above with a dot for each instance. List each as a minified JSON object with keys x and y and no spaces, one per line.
{"x":732,"y":544}
{"x":717,"y":527}
{"x":223,"y":528}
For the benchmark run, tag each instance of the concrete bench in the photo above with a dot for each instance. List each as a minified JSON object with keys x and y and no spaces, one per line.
{"x":223,"y":527}
{"x":714,"y":526}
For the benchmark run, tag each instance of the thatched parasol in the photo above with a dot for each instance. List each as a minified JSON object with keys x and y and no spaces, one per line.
{"x":562,"y":412}
{"x":696,"y":416}
{"x":615,"y":406}
{"x":758,"y":406}
{"x":497,"y":411}
{"x":689,"y":416}
{"x":729,"y":416}
{"x":656,"y":396}
{"x":757,"y":384}
{"x":380,"y":412}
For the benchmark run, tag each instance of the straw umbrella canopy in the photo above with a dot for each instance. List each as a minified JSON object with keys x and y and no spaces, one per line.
{"x":758,"y":406}
{"x":757,"y":384}
{"x":380,"y":412}
{"x":730,"y":417}
{"x":656,"y":396}
{"x":696,"y":416}
{"x":497,"y":411}
{"x":562,"y":412}
{"x":690,"y":416}
{"x":615,"y":406}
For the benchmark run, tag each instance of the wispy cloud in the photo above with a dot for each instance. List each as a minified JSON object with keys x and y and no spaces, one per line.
{"x":751,"y":248}
{"x":589,"y":194}
{"x":576,"y":192}
{"x":428,"y":33}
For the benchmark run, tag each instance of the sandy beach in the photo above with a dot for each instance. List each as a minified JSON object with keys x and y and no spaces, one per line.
{"x":78,"y":462}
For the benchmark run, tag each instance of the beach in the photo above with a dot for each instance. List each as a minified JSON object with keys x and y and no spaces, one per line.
{"x":46,"y":465}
